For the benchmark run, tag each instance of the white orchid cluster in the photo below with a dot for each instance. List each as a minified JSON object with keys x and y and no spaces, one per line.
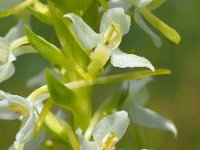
{"x":108,"y":126}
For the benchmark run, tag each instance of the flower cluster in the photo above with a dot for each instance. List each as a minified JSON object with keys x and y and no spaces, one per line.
{"x":80,"y":55}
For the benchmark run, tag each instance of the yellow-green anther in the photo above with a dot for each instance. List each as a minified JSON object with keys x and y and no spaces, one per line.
{"x":109,"y":142}
{"x":112,"y":36}
{"x":19,"y":109}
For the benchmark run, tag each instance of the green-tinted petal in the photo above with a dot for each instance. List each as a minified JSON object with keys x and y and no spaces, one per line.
{"x":139,"y":20}
{"x":116,"y":123}
{"x":15,"y":32}
{"x":6,"y":71}
{"x":84,"y":144}
{"x":5,"y":113}
{"x":26,"y":132}
{"x":143,"y":3}
{"x":4,"y":51}
{"x":155,"y":4}
{"x":149,"y":118}
{"x":123,"y":60}
{"x":118,"y":16}
{"x":119,"y":3}
{"x":88,"y":38}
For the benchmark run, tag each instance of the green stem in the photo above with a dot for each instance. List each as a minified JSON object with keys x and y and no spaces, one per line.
{"x":139,"y":136}
{"x":93,"y":122}
{"x":103,"y":80}
{"x":17,"y":8}
{"x":104,"y":4}
{"x":42,"y":116}
{"x":72,"y":138}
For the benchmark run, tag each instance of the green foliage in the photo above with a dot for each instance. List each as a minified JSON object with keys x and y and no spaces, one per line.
{"x":60,"y":94}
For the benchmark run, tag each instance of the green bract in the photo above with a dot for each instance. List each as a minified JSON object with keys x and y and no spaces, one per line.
{"x":107,"y":132}
{"x":114,"y":24}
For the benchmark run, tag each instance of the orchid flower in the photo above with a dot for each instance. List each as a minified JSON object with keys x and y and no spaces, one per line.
{"x":10,"y":48}
{"x":107,"y":132}
{"x":114,"y":24}
{"x":127,"y":5}
{"x":15,"y":107}
{"x":142,"y":9}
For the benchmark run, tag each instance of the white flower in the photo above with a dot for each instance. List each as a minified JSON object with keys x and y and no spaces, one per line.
{"x":16,"y":107}
{"x":107,"y":132}
{"x":10,"y":48}
{"x":114,"y":24}
{"x":127,"y":4}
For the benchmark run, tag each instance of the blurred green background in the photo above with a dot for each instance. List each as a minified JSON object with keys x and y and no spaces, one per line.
{"x":176,"y":96}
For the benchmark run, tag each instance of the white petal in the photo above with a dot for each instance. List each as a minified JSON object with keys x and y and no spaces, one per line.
{"x":16,"y":100}
{"x":151,"y":119}
{"x":84,"y":144}
{"x":139,"y":20}
{"x":5,"y":113}
{"x":118,"y":16}
{"x":87,"y":37}
{"x":119,"y":3}
{"x":116,"y":123}
{"x":143,"y":3}
{"x":26,"y":132}
{"x":6,"y":71}
{"x":15,"y":32}
{"x":123,"y":60}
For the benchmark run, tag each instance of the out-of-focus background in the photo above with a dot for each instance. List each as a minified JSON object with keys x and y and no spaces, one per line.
{"x":176,"y":96}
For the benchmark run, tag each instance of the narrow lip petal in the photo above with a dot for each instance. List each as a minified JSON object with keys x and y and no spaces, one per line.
{"x":87,"y":37}
{"x":118,"y":16}
{"x":123,"y":60}
{"x":116,"y":123}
